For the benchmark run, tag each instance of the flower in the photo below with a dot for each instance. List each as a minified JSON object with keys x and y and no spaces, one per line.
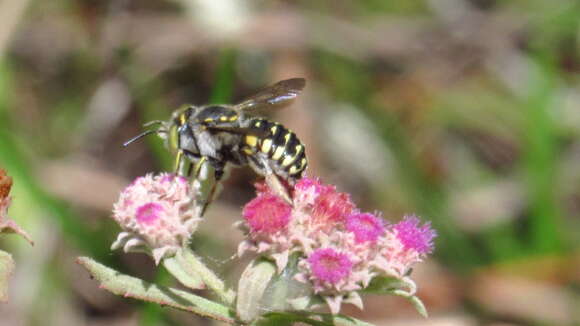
{"x":339,"y":249}
{"x":267,"y":213}
{"x":365,"y":227}
{"x":329,"y":266}
{"x":404,"y":244}
{"x":157,"y":214}
{"x":415,"y":237}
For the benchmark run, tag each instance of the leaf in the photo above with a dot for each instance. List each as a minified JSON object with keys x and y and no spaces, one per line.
{"x":6,"y":269}
{"x":189,"y":261}
{"x":316,"y":319}
{"x":404,"y":287}
{"x":415,"y":301}
{"x":251,"y":288}
{"x":186,"y":276}
{"x":131,"y":287}
{"x":383,"y":285}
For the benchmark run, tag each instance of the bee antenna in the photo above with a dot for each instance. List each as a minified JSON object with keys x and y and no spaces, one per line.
{"x":154,"y":122}
{"x":139,"y":136}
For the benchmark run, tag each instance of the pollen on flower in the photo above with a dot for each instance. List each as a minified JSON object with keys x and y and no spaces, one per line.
{"x":365,"y":227}
{"x":157,"y":211}
{"x":413,"y":236}
{"x":330,"y":266}
{"x":267,"y":213}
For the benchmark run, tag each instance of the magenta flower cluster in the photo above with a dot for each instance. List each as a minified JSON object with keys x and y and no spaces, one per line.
{"x":341,"y":249}
{"x":157,"y":214}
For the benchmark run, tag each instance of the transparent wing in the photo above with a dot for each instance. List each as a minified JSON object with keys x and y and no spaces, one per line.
{"x":276,"y":96}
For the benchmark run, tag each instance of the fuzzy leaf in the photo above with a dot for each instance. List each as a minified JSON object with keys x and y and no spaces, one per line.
{"x":383,"y":285}
{"x":186,"y":276}
{"x":415,"y":301}
{"x":315,"y":319}
{"x":251,"y":287}
{"x":419,"y":306}
{"x":6,"y":269}
{"x":404,"y":287}
{"x":131,"y":287}
{"x":189,"y":261}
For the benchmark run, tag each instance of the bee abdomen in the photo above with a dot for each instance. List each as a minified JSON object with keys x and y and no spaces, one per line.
{"x":281,"y":146}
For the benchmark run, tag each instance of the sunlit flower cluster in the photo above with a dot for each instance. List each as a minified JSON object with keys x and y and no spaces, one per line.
{"x":341,"y":249}
{"x":157,"y":215}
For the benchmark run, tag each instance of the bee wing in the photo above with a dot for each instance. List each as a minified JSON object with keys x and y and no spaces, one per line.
{"x":275,"y":96}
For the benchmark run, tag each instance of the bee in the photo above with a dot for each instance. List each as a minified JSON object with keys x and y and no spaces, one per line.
{"x":230,"y":134}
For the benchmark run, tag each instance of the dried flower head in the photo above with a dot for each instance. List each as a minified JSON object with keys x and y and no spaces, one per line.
{"x":340,"y":249}
{"x":5,"y":186}
{"x":157,"y":215}
{"x":7,"y":225}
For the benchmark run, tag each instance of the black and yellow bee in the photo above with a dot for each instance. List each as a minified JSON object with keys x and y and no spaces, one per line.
{"x":226,"y":134}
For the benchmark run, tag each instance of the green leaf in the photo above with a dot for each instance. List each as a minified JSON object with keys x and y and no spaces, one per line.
{"x":189,"y":261}
{"x":404,"y":287}
{"x":6,"y":269}
{"x":186,"y":276}
{"x":316,"y":319}
{"x":383,"y":285}
{"x":415,"y":301}
{"x":131,"y":287}
{"x":251,"y":288}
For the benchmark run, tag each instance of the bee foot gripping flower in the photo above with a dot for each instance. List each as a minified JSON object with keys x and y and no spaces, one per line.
{"x":339,"y":249}
{"x":158,"y":215}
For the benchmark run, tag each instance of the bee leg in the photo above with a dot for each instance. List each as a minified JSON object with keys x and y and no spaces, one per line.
{"x":215,"y":187}
{"x":278,"y":187}
{"x":273,"y":180}
{"x":179,"y":165}
{"x":208,"y":174}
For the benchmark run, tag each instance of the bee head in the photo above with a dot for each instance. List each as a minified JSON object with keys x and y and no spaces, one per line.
{"x":169,"y":131}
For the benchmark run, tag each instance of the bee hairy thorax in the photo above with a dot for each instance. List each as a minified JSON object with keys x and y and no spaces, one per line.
{"x":278,"y":145}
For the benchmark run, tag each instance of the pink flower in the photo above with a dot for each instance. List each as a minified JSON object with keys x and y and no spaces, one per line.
{"x":332,"y":207}
{"x":329,"y":266}
{"x":366,"y":227}
{"x":157,"y":215}
{"x":267,"y":213}
{"x":415,"y":237}
{"x":339,"y":249}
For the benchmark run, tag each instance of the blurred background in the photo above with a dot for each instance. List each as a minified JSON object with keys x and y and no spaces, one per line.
{"x":466,"y":112}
